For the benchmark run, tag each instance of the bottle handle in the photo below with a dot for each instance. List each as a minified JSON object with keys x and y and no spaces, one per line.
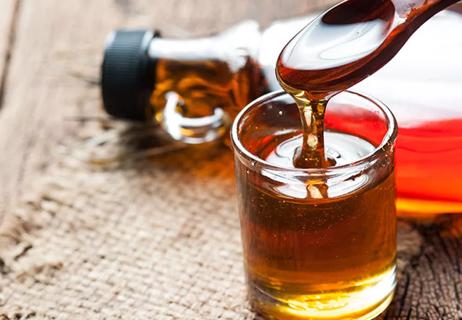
{"x":192,"y":130}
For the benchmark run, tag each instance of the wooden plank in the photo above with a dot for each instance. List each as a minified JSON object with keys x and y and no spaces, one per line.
{"x":8,"y":15}
{"x":430,"y":287}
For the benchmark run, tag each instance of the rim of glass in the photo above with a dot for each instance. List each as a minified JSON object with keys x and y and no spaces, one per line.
{"x":387,"y":140}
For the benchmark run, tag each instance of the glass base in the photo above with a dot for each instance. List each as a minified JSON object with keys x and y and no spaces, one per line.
{"x":360,"y":302}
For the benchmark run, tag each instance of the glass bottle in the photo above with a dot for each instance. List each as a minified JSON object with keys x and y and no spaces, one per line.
{"x":191,"y":87}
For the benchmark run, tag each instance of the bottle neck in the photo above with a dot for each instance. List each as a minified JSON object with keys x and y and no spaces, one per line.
{"x":234,"y":47}
{"x":184,"y":49}
{"x":199,"y":51}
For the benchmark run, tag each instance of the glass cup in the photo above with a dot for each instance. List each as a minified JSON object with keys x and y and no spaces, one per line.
{"x":318,"y":243}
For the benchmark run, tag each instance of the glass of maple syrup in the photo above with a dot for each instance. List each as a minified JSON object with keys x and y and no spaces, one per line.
{"x":318,"y":243}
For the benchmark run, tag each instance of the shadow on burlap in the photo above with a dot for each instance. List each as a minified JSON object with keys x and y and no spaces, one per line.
{"x":153,"y":238}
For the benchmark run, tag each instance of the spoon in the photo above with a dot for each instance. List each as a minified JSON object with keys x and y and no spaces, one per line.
{"x":350,"y":42}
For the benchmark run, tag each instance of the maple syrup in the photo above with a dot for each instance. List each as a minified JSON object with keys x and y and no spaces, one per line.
{"x":319,"y":242}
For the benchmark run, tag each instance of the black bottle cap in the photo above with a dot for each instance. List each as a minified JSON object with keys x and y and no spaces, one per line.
{"x":127,"y":74}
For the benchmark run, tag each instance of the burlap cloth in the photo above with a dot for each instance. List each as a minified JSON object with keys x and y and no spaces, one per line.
{"x":143,"y":238}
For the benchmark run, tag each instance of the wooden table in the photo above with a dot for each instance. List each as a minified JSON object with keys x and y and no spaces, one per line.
{"x":50,"y":52}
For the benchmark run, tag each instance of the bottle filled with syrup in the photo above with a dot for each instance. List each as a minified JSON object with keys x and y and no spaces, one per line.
{"x":192,"y":88}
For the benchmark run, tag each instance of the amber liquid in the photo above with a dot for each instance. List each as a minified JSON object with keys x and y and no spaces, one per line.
{"x":205,"y":85}
{"x":318,"y":252}
{"x":207,"y":74}
{"x":422,"y":144}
